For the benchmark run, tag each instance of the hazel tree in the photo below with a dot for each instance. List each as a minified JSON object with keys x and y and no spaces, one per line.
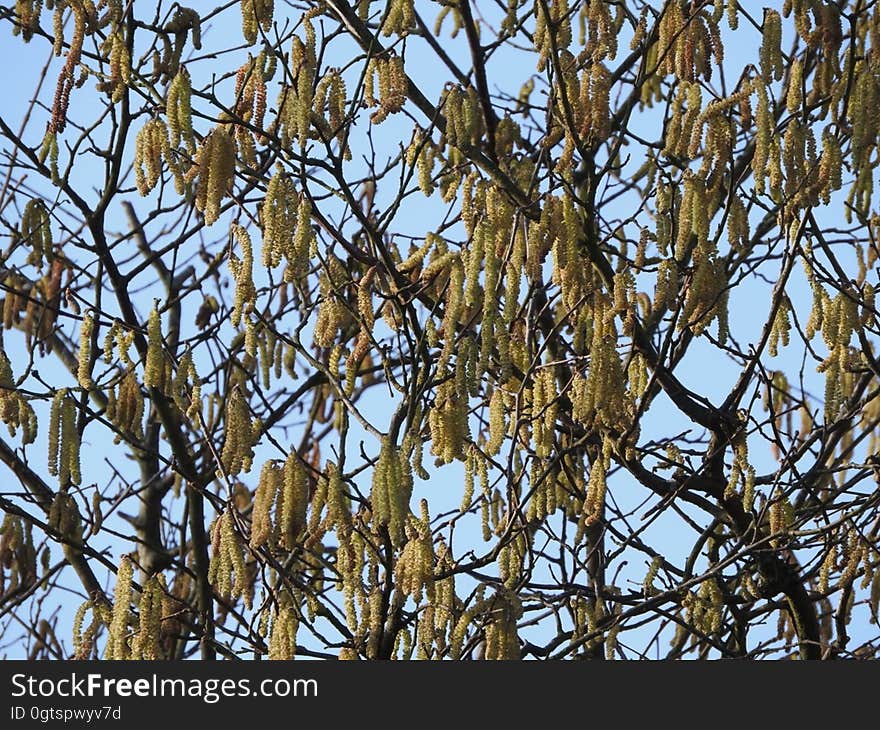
{"x":539,"y":329}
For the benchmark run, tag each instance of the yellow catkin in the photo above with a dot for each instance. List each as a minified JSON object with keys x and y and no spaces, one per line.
{"x":227,"y":571}
{"x":256,"y":15}
{"x":154,"y":368}
{"x":285,"y":623}
{"x":118,"y":634}
{"x":293,"y":502}
{"x":146,"y":643}
{"x":129,"y":408}
{"x":37,"y":232}
{"x":391,"y":490}
{"x":278,"y":219}
{"x":70,"y":444}
{"x":84,"y":355}
{"x":338,"y":503}
{"x":150,"y":143}
{"x":264,"y":500}
{"x":448,"y":421}
{"x":780,"y":329}
{"x":794,"y":99}
{"x":15,"y":411}
{"x":243,"y":272}
{"x":399,"y":19}
{"x":63,"y":439}
{"x":179,"y":111}
{"x":497,"y":422}
{"x":240,"y":435}
{"x":304,"y":239}
{"x":772,"y":62}
{"x":215,"y":165}
{"x":393,"y":86}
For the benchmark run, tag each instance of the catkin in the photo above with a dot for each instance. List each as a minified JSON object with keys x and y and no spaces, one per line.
{"x":497,"y":422}
{"x":118,"y":634}
{"x":215,"y":165}
{"x":264,"y":499}
{"x":227,"y":570}
{"x":772,"y":62}
{"x":145,"y":644}
{"x":293,"y":501}
{"x":151,"y":146}
{"x":36,"y":230}
{"x":278,"y":217}
{"x":64,"y":441}
{"x":154,"y":368}
{"x":15,"y":411}
{"x":243,"y":272}
{"x":285,"y":623}
{"x":256,"y":15}
{"x":240,"y":435}
{"x":84,"y":354}
{"x":391,"y":490}
{"x":178,"y":109}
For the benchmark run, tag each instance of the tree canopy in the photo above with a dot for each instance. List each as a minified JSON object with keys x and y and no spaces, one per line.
{"x":520,"y":329}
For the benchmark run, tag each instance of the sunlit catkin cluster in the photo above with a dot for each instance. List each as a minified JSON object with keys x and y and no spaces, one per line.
{"x":688,"y":42}
{"x":152,"y":146}
{"x":580,"y":106}
{"x":27,"y":18}
{"x":256,"y":16}
{"x":599,"y":396}
{"x":18,"y":556}
{"x":295,"y":100}
{"x":414,"y":571}
{"x":145,"y":644}
{"x":178,"y":109}
{"x":119,"y":634}
{"x":422,"y":154}
{"x":115,"y":48}
{"x":330,"y":110}
{"x":706,"y":291}
{"x":84,"y":354}
{"x":228,"y":572}
{"x":250,"y":106}
{"x":772,"y":62}
{"x":552,"y":29}
{"x":386,"y":86}
{"x":464,"y":120}
{"x":705,"y":608}
{"x":333,"y":315}
{"x":15,"y":411}
{"x":240,"y":435}
{"x":287,"y":229}
{"x":36,"y":232}
{"x":183,"y":25}
{"x":125,"y":407}
{"x":186,"y":389}
{"x":391,"y":490}
{"x":280,"y":504}
{"x":215,"y":166}
{"x":448,"y":421}
{"x":839,"y":320}
{"x":157,"y":369}
{"x":64,"y":439}
{"x":545,"y":405}
{"x":243,"y":272}
{"x":502,"y":638}
{"x":285,"y":623}
{"x":399,"y":18}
